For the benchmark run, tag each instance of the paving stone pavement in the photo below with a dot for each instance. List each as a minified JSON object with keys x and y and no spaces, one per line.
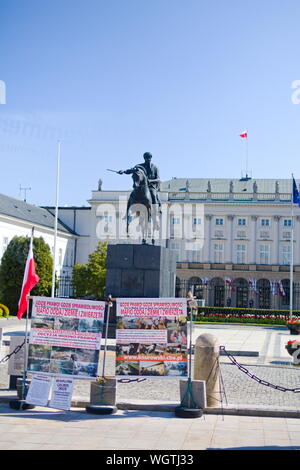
{"x":46,"y":429}
{"x":49,"y":429}
{"x":272,"y":364}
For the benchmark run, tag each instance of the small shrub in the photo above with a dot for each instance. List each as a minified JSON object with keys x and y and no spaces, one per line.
{"x":4,"y":311}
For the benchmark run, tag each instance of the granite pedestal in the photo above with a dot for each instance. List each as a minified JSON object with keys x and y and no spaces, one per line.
{"x":139,"y":271}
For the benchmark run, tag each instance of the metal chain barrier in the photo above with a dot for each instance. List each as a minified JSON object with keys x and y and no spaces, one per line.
{"x":254,"y":377}
{"x":15,"y":351}
{"x":126,"y":381}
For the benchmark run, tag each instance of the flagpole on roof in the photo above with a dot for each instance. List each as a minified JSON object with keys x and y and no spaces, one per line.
{"x":246,"y":152}
{"x":244,"y":135}
{"x":55,"y":220}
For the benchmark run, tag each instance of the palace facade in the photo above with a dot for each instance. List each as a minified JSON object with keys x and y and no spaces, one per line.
{"x":232,"y":238}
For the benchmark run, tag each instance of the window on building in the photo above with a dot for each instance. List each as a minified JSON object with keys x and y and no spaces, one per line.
{"x":193,"y":251}
{"x":218,"y":253}
{"x":264,"y":254}
{"x":197,"y":221}
{"x":286,"y":254}
{"x":241,"y":234}
{"x":241,"y":221}
{"x":219,"y":221}
{"x":176,"y":247}
{"x":175,"y":220}
{"x":287,"y":222}
{"x":265,"y":222}
{"x":241,"y":254}
{"x":286,"y":235}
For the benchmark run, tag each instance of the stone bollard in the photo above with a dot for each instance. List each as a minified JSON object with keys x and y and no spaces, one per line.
{"x":206,"y":366}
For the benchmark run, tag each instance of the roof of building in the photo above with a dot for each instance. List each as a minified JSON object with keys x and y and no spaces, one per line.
{"x":222,"y":185}
{"x":35,"y":215}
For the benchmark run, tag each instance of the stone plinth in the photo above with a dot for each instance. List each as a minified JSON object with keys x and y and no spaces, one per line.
{"x":140,"y":271}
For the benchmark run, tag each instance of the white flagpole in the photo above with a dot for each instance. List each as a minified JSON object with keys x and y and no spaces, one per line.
{"x":55,"y":223}
{"x":23,"y":395}
{"x":292,"y":255}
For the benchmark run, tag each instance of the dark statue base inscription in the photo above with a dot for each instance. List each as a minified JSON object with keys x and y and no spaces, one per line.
{"x":139,"y":271}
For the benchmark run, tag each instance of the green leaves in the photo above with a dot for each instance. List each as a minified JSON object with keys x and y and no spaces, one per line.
{"x":89,"y":279}
{"x":13,"y":266}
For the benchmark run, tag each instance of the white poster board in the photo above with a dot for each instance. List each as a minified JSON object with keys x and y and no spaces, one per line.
{"x":65,"y":337}
{"x":39,"y":390}
{"x":61,"y":394}
{"x":59,"y":389}
{"x":151,"y":337}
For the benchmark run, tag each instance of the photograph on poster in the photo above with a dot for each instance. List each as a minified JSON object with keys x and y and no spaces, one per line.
{"x":155,"y":343}
{"x":152,"y":323}
{"x":127,"y":368}
{"x":38,"y":365}
{"x":127,"y":349}
{"x":47,"y":323}
{"x":65,"y":337}
{"x":127,"y":323}
{"x":152,"y":368}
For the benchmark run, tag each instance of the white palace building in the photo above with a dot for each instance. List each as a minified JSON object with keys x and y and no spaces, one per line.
{"x":232,"y":238}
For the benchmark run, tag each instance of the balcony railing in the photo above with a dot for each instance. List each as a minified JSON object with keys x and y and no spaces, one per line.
{"x":244,"y":196}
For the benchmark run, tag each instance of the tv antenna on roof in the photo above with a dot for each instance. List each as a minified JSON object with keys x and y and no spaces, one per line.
{"x":25,"y":189}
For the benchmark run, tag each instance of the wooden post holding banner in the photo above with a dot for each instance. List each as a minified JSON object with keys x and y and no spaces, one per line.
{"x":103,"y":389}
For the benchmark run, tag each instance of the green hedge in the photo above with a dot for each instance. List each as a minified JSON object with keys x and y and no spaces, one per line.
{"x":243,"y":315}
{"x":244,"y":320}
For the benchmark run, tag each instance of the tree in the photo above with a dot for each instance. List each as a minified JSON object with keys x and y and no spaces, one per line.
{"x":12,"y":269}
{"x":89,"y":279}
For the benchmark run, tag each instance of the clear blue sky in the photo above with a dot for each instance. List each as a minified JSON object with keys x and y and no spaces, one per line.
{"x":115,"y":78}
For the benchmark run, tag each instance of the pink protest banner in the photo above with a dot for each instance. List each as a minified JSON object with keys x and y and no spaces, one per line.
{"x":151,"y":337}
{"x":65,"y":336}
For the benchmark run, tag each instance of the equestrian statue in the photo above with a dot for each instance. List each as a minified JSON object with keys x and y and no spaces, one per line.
{"x":144,"y":199}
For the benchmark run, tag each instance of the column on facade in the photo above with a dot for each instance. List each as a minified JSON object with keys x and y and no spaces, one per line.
{"x":208,"y":250}
{"x":253,"y":238}
{"x":230,"y":240}
{"x":276,"y":242}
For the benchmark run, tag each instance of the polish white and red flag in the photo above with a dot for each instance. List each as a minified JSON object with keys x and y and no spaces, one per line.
{"x":280,"y":288}
{"x":30,"y":279}
{"x":229,"y":283}
{"x":244,"y":135}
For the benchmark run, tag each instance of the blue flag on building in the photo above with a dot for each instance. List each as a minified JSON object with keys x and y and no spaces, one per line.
{"x":296,"y":195}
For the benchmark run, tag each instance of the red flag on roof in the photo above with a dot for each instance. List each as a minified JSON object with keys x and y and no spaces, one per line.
{"x":29,"y":281}
{"x":244,"y":135}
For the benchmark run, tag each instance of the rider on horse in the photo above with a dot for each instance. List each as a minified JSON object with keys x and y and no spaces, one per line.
{"x":152,"y":175}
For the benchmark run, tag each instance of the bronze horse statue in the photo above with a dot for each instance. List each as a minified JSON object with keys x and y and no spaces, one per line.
{"x":140,"y":200}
